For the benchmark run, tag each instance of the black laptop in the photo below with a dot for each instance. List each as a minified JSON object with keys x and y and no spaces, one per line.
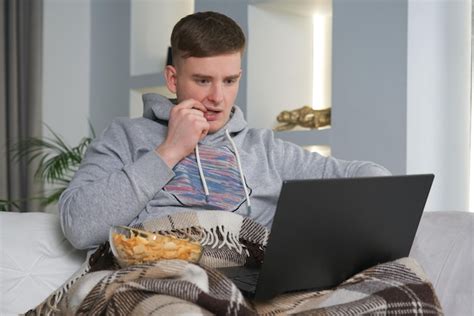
{"x":326,"y":230}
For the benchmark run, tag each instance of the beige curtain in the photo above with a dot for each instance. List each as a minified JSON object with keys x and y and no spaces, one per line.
{"x":20,"y":95}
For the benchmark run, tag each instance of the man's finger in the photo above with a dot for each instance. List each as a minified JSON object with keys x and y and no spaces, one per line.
{"x":192,"y":104}
{"x":205,"y":129}
{"x":196,"y":112}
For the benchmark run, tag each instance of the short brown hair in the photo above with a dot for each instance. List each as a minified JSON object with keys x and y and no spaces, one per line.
{"x":206,"y":34}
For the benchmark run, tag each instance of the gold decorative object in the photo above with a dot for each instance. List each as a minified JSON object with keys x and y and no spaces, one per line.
{"x":304,"y":117}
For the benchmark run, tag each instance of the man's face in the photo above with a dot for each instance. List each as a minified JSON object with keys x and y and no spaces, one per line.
{"x":213,"y":81}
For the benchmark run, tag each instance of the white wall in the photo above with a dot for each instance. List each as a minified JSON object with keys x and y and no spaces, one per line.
{"x":279,"y":64}
{"x":66,"y":68}
{"x":151,"y":26}
{"x":438,"y":98}
{"x":369,"y":82}
{"x":66,"y":59}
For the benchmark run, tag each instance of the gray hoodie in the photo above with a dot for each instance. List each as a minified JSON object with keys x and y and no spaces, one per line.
{"x":122,"y":180}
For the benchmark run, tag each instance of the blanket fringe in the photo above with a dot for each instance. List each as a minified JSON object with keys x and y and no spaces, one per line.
{"x":220,"y":237}
{"x":214,"y":237}
{"x":50,"y":305}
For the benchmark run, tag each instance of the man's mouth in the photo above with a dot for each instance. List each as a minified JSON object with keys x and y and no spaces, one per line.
{"x":211,"y":115}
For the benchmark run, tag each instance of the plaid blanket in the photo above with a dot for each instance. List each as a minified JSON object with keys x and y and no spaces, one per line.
{"x":174,"y":287}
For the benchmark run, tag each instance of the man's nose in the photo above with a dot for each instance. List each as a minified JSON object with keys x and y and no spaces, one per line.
{"x":216,"y":94}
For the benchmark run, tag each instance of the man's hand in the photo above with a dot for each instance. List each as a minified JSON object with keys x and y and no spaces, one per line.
{"x":187,"y":125}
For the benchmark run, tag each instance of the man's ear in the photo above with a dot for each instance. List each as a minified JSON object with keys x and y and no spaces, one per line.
{"x":171,"y":79}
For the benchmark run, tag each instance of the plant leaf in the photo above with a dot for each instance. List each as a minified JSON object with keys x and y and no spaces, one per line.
{"x":6,"y":205}
{"x":53,"y":197}
{"x":57,"y":162}
{"x":91,"y":128}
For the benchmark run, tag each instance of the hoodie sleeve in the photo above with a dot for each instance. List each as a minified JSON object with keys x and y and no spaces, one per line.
{"x":294,"y":162}
{"x":109,"y":189}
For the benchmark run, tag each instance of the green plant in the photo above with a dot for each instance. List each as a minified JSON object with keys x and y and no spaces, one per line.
{"x":6,"y":205}
{"x":57,"y":163}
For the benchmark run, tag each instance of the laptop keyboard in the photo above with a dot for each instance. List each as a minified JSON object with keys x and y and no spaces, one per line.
{"x":250,"y":279}
{"x":244,"y":278}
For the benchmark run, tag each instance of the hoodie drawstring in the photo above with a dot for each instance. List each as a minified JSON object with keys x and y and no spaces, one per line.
{"x":201,"y":173}
{"x":240,"y":169}
{"x":242,"y":179}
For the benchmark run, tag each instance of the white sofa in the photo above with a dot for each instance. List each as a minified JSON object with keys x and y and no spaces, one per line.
{"x":36,"y":259}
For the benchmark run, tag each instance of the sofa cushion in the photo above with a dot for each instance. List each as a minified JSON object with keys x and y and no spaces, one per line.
{"x":35,"y":259}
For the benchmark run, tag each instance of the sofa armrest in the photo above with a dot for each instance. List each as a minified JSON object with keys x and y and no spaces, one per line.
{"x":444,"y":248}
{"x":35,"y":260}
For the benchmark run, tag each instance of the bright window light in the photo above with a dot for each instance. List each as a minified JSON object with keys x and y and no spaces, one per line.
{"x":321,"y":61}
{"x":471,"y":162}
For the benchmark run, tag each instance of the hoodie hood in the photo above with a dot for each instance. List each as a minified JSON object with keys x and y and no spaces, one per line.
{"x":157,"y":108}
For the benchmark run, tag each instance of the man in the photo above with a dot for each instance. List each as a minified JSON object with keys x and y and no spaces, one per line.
{"x":198,"y":154}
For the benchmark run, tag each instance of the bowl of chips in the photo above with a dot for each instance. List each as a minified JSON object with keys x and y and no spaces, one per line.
{"x":135,"y":246}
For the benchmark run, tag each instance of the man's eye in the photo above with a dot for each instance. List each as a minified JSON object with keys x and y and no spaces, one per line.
{"x":230,"y":81}
{"x":202,"y":82}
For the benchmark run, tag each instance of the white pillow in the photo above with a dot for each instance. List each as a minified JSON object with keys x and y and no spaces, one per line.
{"x":35,"y":260}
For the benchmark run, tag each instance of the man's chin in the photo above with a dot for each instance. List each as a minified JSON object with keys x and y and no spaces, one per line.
{"x":212,"y":131}
{"x":214,"y":128}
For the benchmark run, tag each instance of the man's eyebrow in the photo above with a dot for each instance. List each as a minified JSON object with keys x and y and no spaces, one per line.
{"x":206,"y":77}
{"x":199,"y":76}
{"x":232,"y":77}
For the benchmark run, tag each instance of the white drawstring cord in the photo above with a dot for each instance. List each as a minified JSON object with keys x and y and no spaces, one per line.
{"x":240,"y":170}
{"x":201,"y":173}
{"x":242,"y":179}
